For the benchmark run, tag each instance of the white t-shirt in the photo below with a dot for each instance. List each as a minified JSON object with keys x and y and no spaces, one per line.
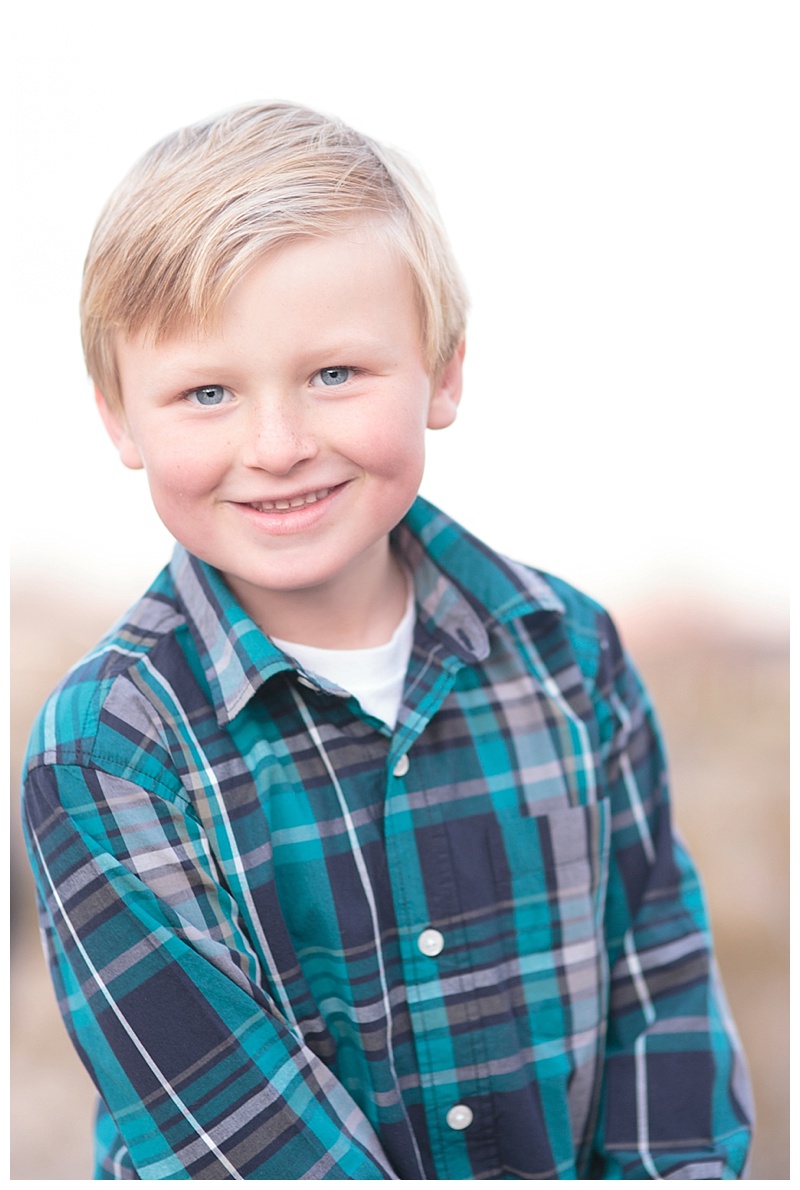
{"x":375,"y":676}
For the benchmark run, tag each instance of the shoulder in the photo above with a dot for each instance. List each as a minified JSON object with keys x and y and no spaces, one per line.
{"x":587,"y":622}
{"x":582,"y":652}
{"x":105,"y":707}
{"x":571,"y":627}
{"x":580,"y":622}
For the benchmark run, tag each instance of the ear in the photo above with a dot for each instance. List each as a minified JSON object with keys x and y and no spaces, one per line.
{"x":118,"y":432}
{"x":446,"y":392}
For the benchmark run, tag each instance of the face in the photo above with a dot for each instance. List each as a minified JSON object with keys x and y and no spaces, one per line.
{"x":283,"y":447}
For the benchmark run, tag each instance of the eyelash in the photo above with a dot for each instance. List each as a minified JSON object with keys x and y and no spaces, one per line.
{"x":192,"y":392}
{"x":353,"y":373}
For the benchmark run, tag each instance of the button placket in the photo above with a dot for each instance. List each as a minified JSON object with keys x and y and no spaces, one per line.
{"x":446,"y":1120}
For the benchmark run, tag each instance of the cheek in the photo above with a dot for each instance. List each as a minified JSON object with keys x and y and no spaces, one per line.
{"x":394,"y":442}
{"x":394,"y":454}
{"x":182,"y":470}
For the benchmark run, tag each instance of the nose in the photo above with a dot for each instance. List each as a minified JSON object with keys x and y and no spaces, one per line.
{"x":279,"y":436}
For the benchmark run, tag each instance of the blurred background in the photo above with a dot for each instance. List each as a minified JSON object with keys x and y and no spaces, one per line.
{"x":617,"y":180}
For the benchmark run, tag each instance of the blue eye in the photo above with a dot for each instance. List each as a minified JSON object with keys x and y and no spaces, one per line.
{"x":334,"y":376}
{"x":208,"y":394}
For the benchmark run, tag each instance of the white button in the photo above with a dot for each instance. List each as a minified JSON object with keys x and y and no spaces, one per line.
{"x":304,"y":681}
{"x":459,"y":1117}
{"x":402,"y":766}
{"x":431,"y":943}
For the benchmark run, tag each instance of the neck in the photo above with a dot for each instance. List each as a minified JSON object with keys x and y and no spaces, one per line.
{"x":356,"y":610}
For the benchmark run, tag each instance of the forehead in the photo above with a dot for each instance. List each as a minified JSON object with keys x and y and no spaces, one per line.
{"x":322,"y":274}
{"x":348,"y":291}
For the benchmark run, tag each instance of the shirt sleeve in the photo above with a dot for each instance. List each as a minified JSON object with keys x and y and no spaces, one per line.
{"x":163,"y":997}
{"x":675,"y":1096}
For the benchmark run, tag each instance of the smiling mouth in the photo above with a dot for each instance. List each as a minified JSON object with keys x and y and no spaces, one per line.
{"x":293,"y":503}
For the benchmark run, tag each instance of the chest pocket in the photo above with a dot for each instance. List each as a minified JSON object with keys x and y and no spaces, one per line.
{"x":554,"y":873}
{"x":560,"y":852}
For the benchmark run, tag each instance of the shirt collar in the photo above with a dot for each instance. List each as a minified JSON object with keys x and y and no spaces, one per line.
{"x":237,"y":657}
{"x":462,"y":588}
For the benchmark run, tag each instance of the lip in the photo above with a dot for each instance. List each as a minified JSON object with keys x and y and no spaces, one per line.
{"x":288,"y":519}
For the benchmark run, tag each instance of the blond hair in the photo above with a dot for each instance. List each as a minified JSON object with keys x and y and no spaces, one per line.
{"x":206,"y":202}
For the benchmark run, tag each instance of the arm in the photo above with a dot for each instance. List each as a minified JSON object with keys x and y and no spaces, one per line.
{"x":676,"y":1099}
{"x":164,"y":998}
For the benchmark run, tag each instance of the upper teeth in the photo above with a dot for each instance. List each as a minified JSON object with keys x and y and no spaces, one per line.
{"x":296,"y":502}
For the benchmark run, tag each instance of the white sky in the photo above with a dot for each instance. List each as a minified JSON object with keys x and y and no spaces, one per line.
{"x":617,"y":180}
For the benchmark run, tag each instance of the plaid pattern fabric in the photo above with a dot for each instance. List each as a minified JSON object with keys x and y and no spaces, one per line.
{"x":289,"y":943}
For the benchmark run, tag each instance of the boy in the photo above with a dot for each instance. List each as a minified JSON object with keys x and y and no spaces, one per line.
{"x":352,"y":839}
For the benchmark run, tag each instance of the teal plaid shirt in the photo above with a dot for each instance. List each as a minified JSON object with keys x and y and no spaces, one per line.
{"x":290,"y":943}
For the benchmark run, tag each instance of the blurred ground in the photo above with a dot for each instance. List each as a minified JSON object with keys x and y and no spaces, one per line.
{"x":722,"y":695}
